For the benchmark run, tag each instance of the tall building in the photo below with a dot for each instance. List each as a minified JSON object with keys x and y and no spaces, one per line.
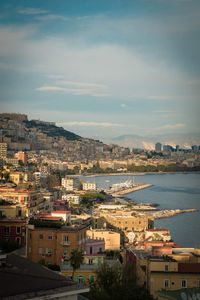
{"x":195,"y":148}
{"x":3,"y":150}
{"x":167,"y":148}
{"x":21,"y":156}
{"x":158,"y":147}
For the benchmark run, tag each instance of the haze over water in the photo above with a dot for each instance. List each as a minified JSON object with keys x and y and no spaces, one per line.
{"x":170,"y":191}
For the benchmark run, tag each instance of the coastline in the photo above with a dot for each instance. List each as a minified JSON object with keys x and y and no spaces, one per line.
{"x":138,"y":173}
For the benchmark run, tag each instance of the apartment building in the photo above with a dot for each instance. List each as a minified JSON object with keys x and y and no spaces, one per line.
{"x":52,"y":243}
{"x":31,"y":198}
{"x":89,"y":186}
{"x":3,"y":150}
{"x":179,"y":270}
{"x":71,"y":184}
{"x":13,"y":231}
{"x":12,"y":210}
{"x":73,"y":199}
{"x":18,"y":177}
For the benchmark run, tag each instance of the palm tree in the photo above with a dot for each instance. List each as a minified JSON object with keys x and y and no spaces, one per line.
{"x":76,"y":259}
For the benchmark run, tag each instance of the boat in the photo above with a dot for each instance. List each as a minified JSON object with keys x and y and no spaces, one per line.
{"x":122,"y":185}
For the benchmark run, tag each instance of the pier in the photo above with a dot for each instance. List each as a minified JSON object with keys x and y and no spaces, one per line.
{"x":128,"y":190}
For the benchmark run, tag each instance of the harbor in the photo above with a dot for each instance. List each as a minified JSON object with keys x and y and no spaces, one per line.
{"x":127,"y":187}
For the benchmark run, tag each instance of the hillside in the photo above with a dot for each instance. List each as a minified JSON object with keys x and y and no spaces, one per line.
{"x":50,"y":129}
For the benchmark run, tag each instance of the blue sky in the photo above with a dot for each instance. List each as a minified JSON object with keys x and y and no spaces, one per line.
{"x":103,"y":68}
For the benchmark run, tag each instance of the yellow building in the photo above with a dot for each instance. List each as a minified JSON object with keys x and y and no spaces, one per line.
{"x":127,"y":222}
{"x":12,"y":210}
{"x":169,"y":274}
{"x":31,"y":198}
{"x":111,"y":238}
{"x":18,"y":177}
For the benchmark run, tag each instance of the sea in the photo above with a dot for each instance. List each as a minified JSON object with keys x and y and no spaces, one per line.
{"x":169,"y":191}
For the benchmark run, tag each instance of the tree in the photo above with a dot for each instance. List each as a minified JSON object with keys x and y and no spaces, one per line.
{"x":117,"y":282}
{"x":76,"y":259}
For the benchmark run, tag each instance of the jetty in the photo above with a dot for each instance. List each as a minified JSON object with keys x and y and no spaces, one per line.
{"x":127,"y":190}
{"x":171,"y":213}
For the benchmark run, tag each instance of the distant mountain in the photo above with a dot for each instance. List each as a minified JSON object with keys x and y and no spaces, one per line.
{"x":148,"y":142}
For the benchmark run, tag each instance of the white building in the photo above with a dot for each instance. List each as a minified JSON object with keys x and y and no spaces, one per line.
{"x":71,"y":184}
{"x":89,"y":186}
{"x":64,"y":214}
{"x":72,"y":198}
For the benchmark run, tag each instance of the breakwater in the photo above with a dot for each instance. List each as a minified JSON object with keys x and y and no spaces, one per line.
{"x":125,"y":191}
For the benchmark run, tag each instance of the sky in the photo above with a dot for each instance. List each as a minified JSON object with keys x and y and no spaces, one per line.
{"x":103,"y":68}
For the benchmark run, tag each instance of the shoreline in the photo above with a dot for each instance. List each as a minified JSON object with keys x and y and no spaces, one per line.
{"x":138,"y":173}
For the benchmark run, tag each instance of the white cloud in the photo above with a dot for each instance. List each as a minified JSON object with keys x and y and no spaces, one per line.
{"x":124,"y":70}
{"x":90,"y":124}
{"x":50,"y":17}
{"x":32,"y":11}
{"x":76,"y":88}
{"x":174,"y":126}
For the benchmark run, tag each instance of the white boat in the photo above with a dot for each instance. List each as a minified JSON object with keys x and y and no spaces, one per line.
{"x":122,"y":185}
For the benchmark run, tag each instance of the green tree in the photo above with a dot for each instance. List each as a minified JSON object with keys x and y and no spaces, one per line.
{"x":117,"y":283}
{"x":76,"y":259}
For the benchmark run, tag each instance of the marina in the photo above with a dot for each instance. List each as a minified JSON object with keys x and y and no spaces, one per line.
{"x":126,"y":187}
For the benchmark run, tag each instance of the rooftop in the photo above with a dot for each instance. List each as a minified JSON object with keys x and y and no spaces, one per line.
{"x":23,"y":279}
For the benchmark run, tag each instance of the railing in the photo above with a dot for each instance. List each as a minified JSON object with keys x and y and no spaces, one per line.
{"x":65,"y":243}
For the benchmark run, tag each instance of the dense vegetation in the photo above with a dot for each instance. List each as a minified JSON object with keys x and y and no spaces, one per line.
{"x":46,"y":223}
{"x":117,"y":283}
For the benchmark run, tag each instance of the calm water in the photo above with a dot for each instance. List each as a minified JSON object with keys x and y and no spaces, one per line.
{"x":170,"y":191}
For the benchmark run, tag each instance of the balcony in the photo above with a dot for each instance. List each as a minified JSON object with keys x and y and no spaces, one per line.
{"x":65,"y":243}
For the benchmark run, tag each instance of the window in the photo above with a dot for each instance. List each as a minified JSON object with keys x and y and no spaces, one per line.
{"x":18,"y":230}
{"x":90,"y":249}
{"x":166,"y":268}
{"x":166,"y":283}
{"x":66,"y":238}
{"x":40,"y":251}
{"x":41,"y":236}
{"x":65,"y":251}
{"x":50,"y":237}
{"x":90,"y":261}
{"x":184,"y":283}
{"x":6,"y":230}
{"x":49,"y":251}
{"x":80,"y":279}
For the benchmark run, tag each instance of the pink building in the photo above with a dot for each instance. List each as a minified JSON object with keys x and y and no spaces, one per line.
{"x":95,"y":246}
